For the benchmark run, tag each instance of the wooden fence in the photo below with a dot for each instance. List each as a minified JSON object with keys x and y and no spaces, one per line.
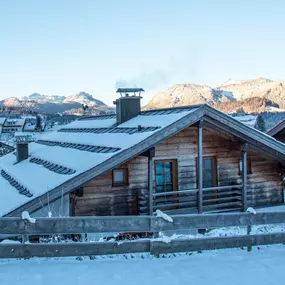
{"x":127,"y":224}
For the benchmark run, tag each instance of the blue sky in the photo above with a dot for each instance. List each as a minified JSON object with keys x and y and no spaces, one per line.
{"x":63,"y":46}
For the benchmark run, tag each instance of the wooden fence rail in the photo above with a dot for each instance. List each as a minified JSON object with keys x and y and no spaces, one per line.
{"x":154,"y":247}
{"x":80,"y":225}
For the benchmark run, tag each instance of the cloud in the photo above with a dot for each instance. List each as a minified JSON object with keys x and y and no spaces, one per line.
{"x":147,"y":80}
{"x":177,"y":69}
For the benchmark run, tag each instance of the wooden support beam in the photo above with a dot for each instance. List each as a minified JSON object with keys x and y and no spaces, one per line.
{"x":200,"y":167}
{"x":150,"y":180}
{"x":244,"y":176}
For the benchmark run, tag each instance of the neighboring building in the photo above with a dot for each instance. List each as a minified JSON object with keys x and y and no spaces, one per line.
{"x":179,"y":160}
{"x":5,"y":149}
{"x":278,"y":131}
{"x":29,"y":127}
{"x":13,"y":125}
{"x":2,"y":121}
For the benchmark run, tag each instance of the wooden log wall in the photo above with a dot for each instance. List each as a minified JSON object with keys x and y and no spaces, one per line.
{"x":264,"y":184}
{"x":101,"y":198}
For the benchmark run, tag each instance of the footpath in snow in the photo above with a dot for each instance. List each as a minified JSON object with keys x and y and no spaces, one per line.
{"x":229,"y":267}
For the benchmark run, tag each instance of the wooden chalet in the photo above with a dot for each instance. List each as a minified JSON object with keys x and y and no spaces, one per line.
{"x":192,"y":159}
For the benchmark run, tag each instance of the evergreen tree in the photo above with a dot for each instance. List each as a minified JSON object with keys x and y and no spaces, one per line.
{"x":84,"y":108}
{"x":38,"y":123}
{"x":260,"y":124}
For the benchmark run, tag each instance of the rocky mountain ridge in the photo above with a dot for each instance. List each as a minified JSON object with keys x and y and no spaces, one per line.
{"x":257,"y":95}
{"x":56,"y":103}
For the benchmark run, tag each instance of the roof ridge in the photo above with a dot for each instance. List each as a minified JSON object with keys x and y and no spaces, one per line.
{"x":173,"y":108}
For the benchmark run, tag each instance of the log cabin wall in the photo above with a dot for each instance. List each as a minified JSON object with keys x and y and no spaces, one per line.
{"x":264,"y":183}
{"x":101,"y":198}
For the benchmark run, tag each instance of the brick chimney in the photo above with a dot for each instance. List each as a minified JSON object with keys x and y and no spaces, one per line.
{"x":128,"y":105}
{"x":22,"y":146}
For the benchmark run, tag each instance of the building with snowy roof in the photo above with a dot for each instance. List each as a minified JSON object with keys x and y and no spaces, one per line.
{"x":192,"y":159}
{"x":13,"y":125}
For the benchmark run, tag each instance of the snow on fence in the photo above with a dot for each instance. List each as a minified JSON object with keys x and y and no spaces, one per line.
{"x":135,"y":224}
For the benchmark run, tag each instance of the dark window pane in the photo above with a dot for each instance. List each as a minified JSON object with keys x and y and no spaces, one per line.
{"x":168,"y":166}
{"x":164,"y":176}
{"x":159,"y":179}
{"x":207,"y":183}
{"x":169,"y":187}
{"x":168,"y":178}
{"x":159,"y":167}
{"x":207,"y":164}
{"x":208,"y":179}
{"x":159,"y":188}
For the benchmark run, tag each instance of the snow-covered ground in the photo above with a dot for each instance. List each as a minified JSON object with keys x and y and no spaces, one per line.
{"x":231,"y":267}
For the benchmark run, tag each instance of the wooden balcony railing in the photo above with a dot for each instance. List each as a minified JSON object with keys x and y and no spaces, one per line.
{"x":215,"y":199}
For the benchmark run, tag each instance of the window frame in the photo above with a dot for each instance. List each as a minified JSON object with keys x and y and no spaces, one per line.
{"x":125,"y":181}
{"x":248,"y":166}
{"x":174,"y":172}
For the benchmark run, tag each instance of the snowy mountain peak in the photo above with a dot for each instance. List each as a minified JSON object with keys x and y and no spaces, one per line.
{"x":83,"y":98}
{"x":261,"y":91}
{"x":40,"y":98}
{"x":188,"y":94}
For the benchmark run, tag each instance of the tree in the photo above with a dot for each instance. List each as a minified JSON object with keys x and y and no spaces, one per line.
{"x":260,"y":123}
{"x":84,"y":108}
{"x":38,"y":123}
{"x":240,"y":110}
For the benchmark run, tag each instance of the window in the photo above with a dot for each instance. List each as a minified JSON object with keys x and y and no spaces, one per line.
{"x":165,"y":175}
{"x":248,"y":166}
{"x":210,"y":178}
{"x":209,"y":172}
{"x":120,"y":176}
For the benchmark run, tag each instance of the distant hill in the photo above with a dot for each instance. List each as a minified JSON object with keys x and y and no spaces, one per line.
{"x":39,"y":98}
{"x":258,"y":95}
{"x":260,"y":87}
{"x":56,"y":104}
{"x":84,"y":98}
{"x":249,"y":105}
{"x":188,"y":94}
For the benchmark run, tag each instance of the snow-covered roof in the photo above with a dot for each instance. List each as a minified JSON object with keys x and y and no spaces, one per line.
{"x":78,"y":151}
{"x":14,"y":122}
{"x":63,"y":160}
{"x":29,"y":127}
{"x":2,"y":120}
{"x":249,"y":120}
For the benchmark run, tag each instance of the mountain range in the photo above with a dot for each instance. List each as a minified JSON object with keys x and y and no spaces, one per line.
{"x":251,"y":96}
{"x":56,"y":103}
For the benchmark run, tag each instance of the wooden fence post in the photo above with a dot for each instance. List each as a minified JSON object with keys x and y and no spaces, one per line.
{"x":249,"y":247}
{"x":25,"y":238}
